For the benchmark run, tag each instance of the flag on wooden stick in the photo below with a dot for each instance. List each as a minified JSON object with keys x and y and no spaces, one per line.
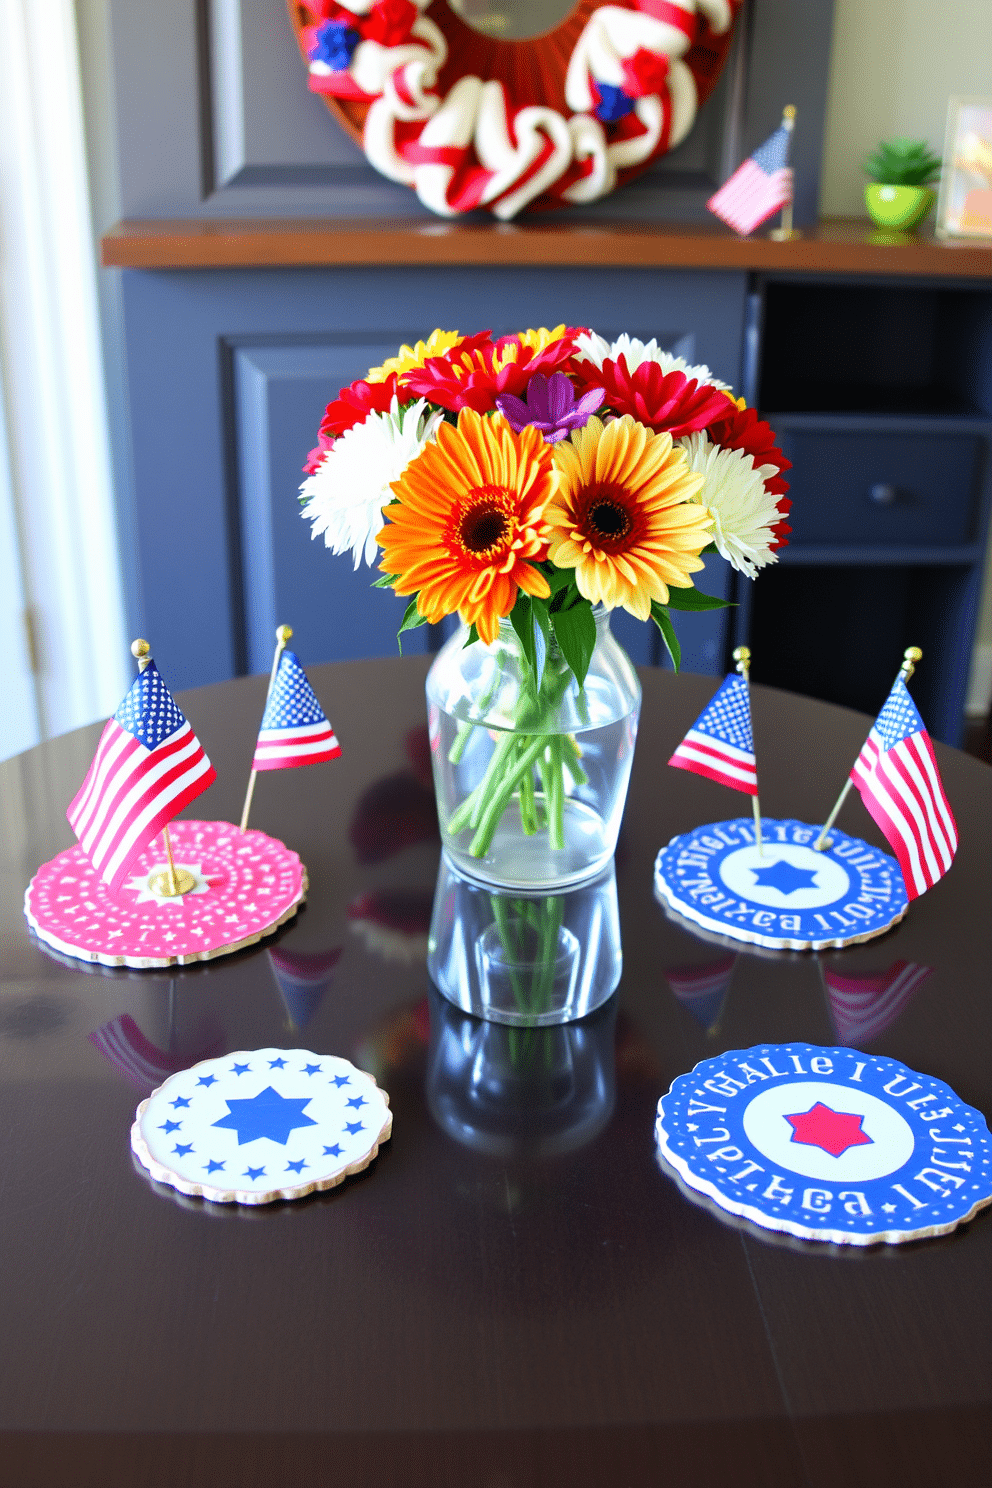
{"x":758,"y":188}
{"x":720,"y":744}
{"x":295,"y":730}
{"x":896,"y":773}
{"x":149,"y":764}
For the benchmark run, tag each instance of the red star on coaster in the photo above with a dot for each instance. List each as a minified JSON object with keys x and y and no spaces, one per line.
{"x":834,"y":1131}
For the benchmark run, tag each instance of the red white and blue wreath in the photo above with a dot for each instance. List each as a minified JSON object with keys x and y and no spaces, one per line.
{"x":472,"y":121}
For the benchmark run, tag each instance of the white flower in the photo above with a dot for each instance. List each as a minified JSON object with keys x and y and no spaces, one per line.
{"x":635,"y":352}
{"x":744,"y":511}
{"x":348,"y":490}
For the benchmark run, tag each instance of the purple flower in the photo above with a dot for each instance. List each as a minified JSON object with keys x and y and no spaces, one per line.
{"x":550,"y":407}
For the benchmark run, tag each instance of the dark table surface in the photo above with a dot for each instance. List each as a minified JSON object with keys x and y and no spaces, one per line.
{"x":500,"y":1307}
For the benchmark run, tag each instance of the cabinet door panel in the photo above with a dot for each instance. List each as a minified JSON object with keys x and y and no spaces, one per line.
{"x":883,"y":489}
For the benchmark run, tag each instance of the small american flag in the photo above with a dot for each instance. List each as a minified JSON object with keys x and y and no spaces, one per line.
{"x":897,"y":775}
{"x":294,"y":728}
{"x":759,"y":187}
{"x":862,"y":1007}
{"x":149,"y":764}
{"x":719,"y":744}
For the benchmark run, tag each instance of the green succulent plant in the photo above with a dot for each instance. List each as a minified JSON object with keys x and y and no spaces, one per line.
{"x":903,"y":162}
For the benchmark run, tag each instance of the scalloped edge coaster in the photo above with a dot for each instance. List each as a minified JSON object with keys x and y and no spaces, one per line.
{"x":247,"y":884}
{"x":261,"y":1115}
{"x":809,"y":901}
{"x":827,"y":1144}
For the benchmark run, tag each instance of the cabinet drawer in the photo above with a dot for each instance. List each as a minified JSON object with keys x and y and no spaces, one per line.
{"x":878,"y":489}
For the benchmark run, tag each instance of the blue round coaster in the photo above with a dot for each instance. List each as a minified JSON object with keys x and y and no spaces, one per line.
{"x":787,"y":897}
{"x":261,"y":1125}
{"x":827,"y":1144}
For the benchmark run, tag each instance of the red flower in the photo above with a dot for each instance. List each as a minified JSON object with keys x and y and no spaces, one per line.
{"x":662,"y":401}
{"x":473,"y":374}
{"x":644,"y":73}
{"x":389,"y":22}
{"x":740,"y":428}
{"x":317,"y":453}
{"x":355,"y":403}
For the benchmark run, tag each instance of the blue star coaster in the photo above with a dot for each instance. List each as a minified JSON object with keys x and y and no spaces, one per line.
{"x":827,"y":1144}
{"x":254,"y":1127}
{"x":788,"y":896}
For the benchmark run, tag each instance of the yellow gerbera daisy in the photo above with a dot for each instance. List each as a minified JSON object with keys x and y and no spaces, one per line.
{"x":408,"y":357}
{"x":623,"y":515}
{"x":470,"y":516}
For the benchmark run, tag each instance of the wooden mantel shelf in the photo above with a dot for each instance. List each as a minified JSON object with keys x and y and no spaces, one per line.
{"x":836,"y":246}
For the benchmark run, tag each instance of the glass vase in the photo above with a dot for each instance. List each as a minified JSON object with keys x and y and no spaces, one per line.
{"x":530,"y":769}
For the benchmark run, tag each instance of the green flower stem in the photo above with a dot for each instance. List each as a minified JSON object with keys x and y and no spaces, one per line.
{"x":527,"y":758}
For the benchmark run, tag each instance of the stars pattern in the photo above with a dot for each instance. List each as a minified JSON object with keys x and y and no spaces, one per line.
{"x":180,"y":1100}
{"x":898,"y":718}
{"x":334,"y":1150}
{"x":267,"y":1114}
{"x":277,"y":1063}
{"x":353,"y":1126}
{"x":253,"y":1173}
{"x":356,"y":1101}
{"x":181,"y":1149}
{"x":296,"y":1167}
{"x":214,"y":1167}
{"x":339,"y":1080}
{"x":241,"y":1069}
{"x":311,"y":1069}
{"x":728,"y":716}
{"x":833,"y":1131}
{"x":292,"y":703}
{"x":149,"y":712}
{"x":207,"y":1080}
{"x":170,"y":1126}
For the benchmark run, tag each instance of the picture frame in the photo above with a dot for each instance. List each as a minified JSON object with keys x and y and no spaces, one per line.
{"x":964,"y":206}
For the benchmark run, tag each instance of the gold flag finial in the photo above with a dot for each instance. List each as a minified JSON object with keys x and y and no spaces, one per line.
{"x":742,"y":656}
{"x":142,"y":653}
{"x":789,"y":113}
{"x":284,"y":634}
{"x":910,"y":657}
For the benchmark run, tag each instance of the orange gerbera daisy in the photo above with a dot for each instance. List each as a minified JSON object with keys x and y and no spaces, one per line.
{"x":470,"y":526}
{"x":623,"y":515}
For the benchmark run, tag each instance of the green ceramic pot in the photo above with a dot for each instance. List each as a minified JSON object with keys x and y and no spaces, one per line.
{"x":898,"y":206}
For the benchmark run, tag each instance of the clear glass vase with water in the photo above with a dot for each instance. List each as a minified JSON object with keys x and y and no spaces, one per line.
{"x":530,"y":769}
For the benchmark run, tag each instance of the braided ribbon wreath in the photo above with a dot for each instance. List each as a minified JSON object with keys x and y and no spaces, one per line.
{"x":471,"y":121}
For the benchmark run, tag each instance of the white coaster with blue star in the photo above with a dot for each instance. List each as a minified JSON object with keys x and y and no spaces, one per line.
{"x":787,"y":896}
{"x":263,"y":1125}
{"x":827,"y":1144}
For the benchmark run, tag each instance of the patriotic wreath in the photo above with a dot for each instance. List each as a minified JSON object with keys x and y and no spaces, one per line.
{"x":471,"y":121}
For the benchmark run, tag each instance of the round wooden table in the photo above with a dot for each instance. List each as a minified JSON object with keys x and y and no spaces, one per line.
{"x":514,"y":1293}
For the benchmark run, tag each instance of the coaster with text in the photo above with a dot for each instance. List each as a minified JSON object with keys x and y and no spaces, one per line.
{"x":786,"y":896}
{"x":246,"y":884}
{"x":261,"y":1125}
{"x":827,"y":1144}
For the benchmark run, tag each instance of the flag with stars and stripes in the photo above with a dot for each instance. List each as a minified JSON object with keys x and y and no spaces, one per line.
{"x":149,"y":764}
{"x":294,"y":728}
{"x":759,"y":187}
{"x":897,"y":775}
{"x":720,"y":745}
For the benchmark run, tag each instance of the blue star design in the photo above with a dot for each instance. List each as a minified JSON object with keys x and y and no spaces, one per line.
{"x":785,"y":877}
{"x":181,"y":1148}
{"x":180,"y":1100}
{"x":241,"y":1069}
{"x":254,"y":1173}
{"x":170,"y":1126}
{"x":353,"y":1127}
{"x":334,"y":1151}
{"x":311,"y":1069}
{"x":207,"y":1080}
{"x":296,"y":1167}
{"x":340,"y":1080}
{"x":356,"y":1101}
{"x":267,"y":1114}
{"x":279,"y":1063}
{"x":214,"y":1167}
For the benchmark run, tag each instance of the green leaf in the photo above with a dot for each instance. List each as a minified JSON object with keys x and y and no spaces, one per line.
{"x":385,"y":582}
{"x":660,"y":617}
{"x":411,"y":621}
{"x":558,"y":578}
{"x":522,"y":621}
{"x":473,"y":636}
{"x":692,"y":599}
{"x":576,"y":632}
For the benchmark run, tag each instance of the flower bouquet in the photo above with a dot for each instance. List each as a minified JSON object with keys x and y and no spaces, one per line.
{"x":532,"y":484}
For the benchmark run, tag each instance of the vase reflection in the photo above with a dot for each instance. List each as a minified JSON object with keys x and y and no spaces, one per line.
{"x":529,"y":960}
{"x":520,"y":1092}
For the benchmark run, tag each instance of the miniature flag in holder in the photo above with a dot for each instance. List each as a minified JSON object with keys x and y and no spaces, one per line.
{"x":149,"y":764}
{"x":758,"y":188}
{"x":897,"y":775}
{"x":295,"y":730}
{"x":720,"y":744}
